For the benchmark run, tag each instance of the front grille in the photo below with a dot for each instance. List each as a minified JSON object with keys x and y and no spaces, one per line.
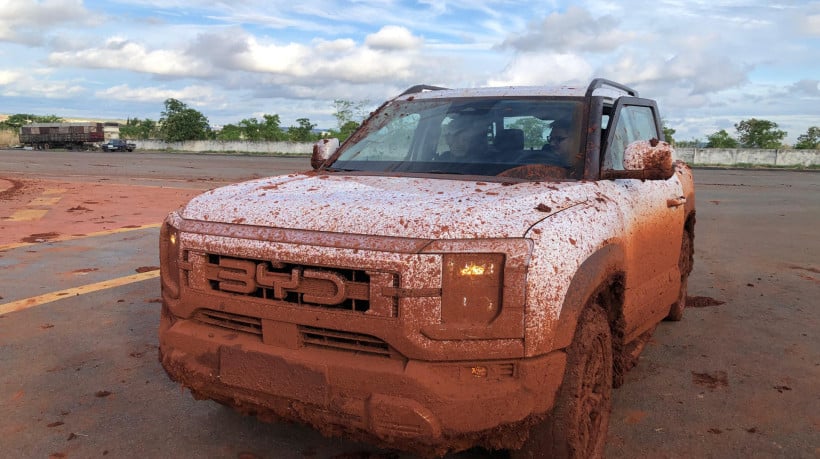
{"x":230,"y":321}
{"x":345,"y":341}
{"x":295,"y":284}
{"x":317,"y":337}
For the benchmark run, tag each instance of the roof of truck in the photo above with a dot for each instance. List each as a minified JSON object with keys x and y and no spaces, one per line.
{"x":598,"y":87}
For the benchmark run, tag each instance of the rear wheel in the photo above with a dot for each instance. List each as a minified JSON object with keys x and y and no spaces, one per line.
{"x":577,"y":426}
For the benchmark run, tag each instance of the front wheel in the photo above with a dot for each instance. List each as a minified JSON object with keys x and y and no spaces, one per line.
{"x":577,"y":426}
{"x":685,"y":266}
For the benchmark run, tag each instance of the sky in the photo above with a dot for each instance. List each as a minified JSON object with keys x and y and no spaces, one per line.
{"x":709,"y":64}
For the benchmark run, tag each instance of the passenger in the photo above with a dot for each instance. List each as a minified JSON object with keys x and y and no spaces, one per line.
{"x":558,"y":151}
{"x":467,"y":138}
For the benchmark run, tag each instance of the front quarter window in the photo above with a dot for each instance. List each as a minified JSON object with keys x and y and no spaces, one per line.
{"x":391,"y":142}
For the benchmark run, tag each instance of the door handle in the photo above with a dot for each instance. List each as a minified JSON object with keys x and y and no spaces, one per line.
{"x":676,"y":202}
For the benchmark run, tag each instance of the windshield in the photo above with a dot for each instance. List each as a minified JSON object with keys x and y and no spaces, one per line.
{"x":482,"y":136}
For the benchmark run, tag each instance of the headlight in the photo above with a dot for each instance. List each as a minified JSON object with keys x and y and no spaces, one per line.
{"x":471,"y":287}
{"x":169,"y":258}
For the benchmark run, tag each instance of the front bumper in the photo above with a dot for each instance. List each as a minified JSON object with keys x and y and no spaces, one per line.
{"x":411,"y":405}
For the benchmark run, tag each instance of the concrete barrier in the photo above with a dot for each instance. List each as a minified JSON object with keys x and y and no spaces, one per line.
{"x":220,"y":146}
{"x":748,"y":157}
{"x":693,"y":156}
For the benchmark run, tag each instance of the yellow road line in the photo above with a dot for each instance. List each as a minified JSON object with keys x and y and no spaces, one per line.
{"x":71,"y":238}
{"x":26,"y":303}
{"x":43,"y":202}
{"x":25,"y":215}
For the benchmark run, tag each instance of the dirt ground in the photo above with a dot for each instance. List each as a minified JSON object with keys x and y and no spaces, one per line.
{"x":77,"y":209}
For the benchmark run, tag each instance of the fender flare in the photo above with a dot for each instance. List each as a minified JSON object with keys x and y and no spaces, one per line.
{"x":602,"y":265}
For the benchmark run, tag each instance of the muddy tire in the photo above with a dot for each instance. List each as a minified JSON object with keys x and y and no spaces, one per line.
{"x":577,"y":426}
{"x":685,"y":265}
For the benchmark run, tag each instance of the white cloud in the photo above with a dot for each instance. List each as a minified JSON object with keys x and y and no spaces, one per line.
{"x":393,"y":38}
{"x":574,"y":30}
{"x":196,"y":95}
{"x":37,"y":84}
{"x":546,"y":68}
{"x":8,"y":77}
{"x":810,"y":25}
{"x":29,"y":21}
{"x":121,"y":54}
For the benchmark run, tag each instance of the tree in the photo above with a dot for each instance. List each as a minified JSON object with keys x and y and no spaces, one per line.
{"x":139,"y":129}
{"x":694,"y":143}
{"x":721,"y":139}
{"x":349,"y":116}
{"x":17,"y":121}
{"x":668,"y":132}
{"x":810,"y":140}
{"x":754,"y":133}
{"x":270,"y":128}
{"x":178,"y":122}
{"x":533,"y":131}
{"x":229,"y":132}
{"x":303,"y":132}
{"x":250,"y":129}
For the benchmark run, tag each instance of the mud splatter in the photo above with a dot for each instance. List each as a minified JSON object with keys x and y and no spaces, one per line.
{"x":40,"y":237}
{"x":714,"y":380}
{"x":702,"y":302}
{"x":145,"y":269}
{"x":634,"y":417}
{"x":16,"y":188}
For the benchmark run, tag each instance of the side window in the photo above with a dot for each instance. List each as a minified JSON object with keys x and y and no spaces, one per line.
{"x":633,"y":123}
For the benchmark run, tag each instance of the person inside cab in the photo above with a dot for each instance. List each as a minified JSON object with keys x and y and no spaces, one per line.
{"x":466,"y":137}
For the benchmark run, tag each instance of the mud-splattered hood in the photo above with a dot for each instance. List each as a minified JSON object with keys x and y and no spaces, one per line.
{"x":386,"y":206}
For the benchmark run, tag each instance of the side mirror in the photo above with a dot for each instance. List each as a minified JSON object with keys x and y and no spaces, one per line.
{"x":322,"y":151}
{"x":647,"y":160}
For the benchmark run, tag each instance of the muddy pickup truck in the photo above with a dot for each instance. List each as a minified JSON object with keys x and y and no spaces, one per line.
{"x":472,"y":267}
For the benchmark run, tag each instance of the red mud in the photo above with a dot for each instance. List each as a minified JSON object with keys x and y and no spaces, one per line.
{"x":702,"y":302}
{"x":39,"y":237}
{"x":115,"y":206}
{"x":714,"y":380}
{"x":145,"y":269}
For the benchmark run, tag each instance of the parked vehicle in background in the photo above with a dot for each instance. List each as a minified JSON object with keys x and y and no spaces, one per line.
{"x":118,"y":145}
{"x":73,"y":136}
{"x":471,"y":267}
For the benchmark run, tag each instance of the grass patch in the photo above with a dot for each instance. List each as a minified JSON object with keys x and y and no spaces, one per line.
{"x":8,"y":137}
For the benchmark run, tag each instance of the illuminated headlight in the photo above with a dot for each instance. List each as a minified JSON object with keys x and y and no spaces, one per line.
{"x":471,"y":287}
{"x":169,"y":258}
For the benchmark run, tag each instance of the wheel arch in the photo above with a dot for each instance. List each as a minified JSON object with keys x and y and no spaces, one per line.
{"x":599,"y":279}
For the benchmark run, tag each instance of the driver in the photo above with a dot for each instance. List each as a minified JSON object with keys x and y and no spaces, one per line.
{"x":467,"y":138}
{"x":558,"y":148}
